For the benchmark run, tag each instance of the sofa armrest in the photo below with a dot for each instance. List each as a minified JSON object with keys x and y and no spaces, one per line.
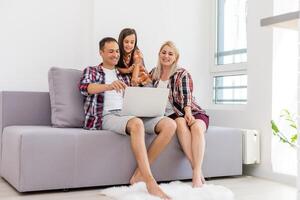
{"x":24,"y":108}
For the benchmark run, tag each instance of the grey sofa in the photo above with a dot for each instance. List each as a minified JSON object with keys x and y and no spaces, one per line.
{"x":36,"y":156}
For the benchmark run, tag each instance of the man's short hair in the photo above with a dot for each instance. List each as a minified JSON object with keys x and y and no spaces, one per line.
{"x":106,"y":40}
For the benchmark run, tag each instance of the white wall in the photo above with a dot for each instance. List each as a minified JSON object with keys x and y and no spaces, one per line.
{"x":285,"y":6}
{"x":298,"y":84}
{"x":36,"y":35}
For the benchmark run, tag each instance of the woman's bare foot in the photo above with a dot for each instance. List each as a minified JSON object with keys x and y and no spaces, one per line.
{"x":203,"y":179}
{"x":154,"y":189}
{"x":136,"y":177}
{"x":198,"y":179}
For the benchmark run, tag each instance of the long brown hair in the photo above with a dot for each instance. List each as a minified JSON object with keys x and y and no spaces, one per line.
{"x":123,"y":34}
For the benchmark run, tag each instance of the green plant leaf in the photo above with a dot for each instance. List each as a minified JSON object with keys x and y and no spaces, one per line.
{"x":289,"y":119}
{"x":294,"y":138}
{"x":293,"y":126}
{"x":274,"y":127}
{"x":284,"y":112}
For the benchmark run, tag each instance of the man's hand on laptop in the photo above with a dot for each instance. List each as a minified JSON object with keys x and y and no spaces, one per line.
{"x":118,"y":85}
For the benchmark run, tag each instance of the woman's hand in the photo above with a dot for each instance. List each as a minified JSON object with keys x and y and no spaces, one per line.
{"x":189,"y":118}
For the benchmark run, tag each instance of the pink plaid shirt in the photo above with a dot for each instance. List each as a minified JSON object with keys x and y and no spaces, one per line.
{"x":181,"y":92}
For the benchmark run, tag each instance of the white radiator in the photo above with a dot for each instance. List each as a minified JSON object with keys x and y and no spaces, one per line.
{"x":251,"y":147}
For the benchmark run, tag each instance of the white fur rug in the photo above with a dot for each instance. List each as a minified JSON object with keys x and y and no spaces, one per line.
{"x":176,"y":190}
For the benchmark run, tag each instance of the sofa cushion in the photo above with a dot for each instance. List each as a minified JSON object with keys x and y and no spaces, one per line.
{"x":43,"y":158}
{"x":66,"y":100}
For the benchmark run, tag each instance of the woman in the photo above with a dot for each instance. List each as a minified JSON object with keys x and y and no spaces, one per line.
{"x":131,"y":58}
{"x":191,"y":120}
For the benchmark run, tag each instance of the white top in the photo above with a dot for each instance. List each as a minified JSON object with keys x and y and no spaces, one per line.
{"x":163,"y":84}
{"x":112,"y":99}
{"x":169,"y":108}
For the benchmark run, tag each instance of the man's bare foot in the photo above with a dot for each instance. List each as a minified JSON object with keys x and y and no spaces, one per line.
{"x":136,"y":177}
{"x":154,"y":189}
{"x":198,"y":180}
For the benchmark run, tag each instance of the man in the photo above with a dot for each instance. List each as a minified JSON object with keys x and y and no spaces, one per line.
{"x":102,"y":87}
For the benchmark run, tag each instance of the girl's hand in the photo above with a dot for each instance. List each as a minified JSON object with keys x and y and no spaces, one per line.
{"x":130,"y":69}
{"x":144,"y":78}
{"x":138,"y":54}
{"x":134,"y":82}
{"x":135,"y":75}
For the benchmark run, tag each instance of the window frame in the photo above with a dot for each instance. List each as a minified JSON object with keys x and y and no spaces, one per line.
{"x":225,"y":69}
{"x":237,"y":87}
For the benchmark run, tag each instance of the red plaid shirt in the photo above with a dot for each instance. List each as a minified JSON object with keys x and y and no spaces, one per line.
{"x":181,"y":92}
{"x":93,"y":103}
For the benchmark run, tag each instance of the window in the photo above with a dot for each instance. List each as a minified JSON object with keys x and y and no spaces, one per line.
{"x":230,"y":57}
{"x":230,"y":89}
{"x":231,"y":34}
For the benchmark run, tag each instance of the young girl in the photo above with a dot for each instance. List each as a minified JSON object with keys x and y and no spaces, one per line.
{"x":131,"y":58}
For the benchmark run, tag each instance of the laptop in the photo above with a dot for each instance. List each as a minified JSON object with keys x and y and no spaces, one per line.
{"x":145,"y":101}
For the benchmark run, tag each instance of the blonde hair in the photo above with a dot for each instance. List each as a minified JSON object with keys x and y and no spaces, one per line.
{"x":158,"y":70}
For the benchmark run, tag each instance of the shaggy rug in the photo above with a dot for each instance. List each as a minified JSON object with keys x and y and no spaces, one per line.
{"x":176,"y":190}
